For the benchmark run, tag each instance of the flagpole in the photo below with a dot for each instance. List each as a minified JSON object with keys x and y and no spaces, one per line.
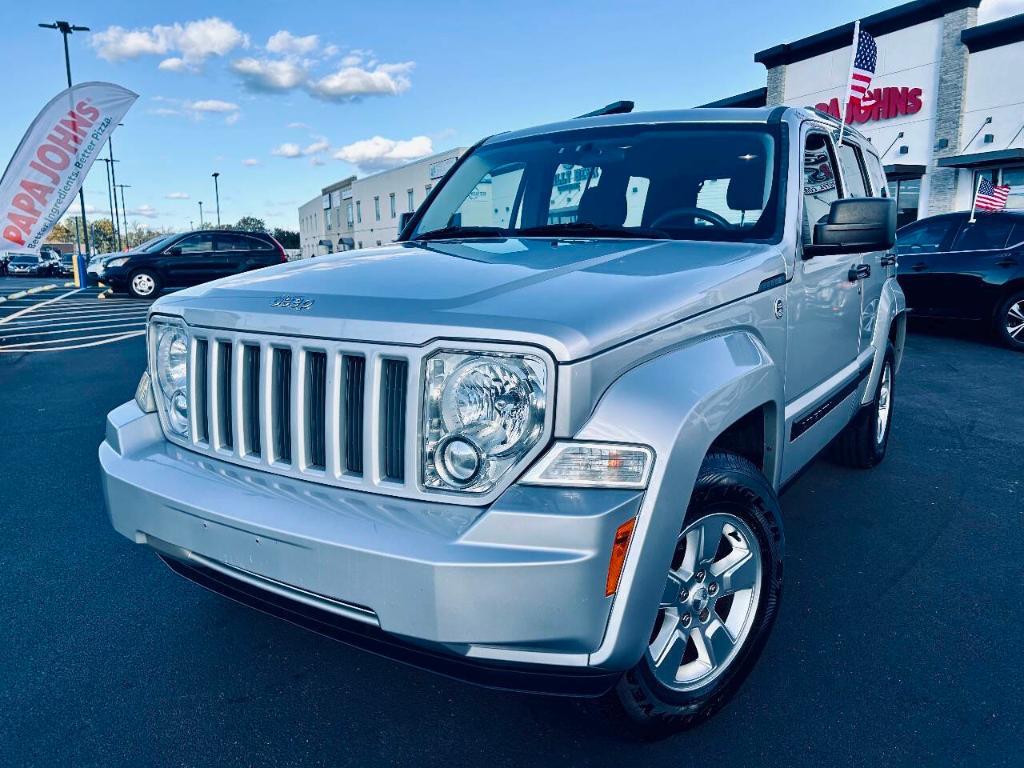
{"x":849,"y":80}
{"x":974,"y":200}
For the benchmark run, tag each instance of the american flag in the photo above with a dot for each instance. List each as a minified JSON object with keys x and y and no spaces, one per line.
{"x":863,"y":68}
{"x":991,"y":197}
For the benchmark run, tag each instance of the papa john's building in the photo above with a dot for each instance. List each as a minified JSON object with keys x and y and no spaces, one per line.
{"x":949,"y":98}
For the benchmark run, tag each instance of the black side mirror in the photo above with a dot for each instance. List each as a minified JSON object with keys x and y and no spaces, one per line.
{"x":855,"y":225}
{"x":403,"y":221}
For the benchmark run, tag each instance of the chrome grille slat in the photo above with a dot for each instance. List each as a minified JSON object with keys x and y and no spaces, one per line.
{"x":362,"y":427}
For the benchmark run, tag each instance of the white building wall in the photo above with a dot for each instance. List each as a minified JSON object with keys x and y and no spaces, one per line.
{"x":311,"y":226}
{"x":906,"y":58}
{"x":419,"y":176}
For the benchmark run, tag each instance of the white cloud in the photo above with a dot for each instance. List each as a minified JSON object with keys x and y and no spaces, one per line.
{"x":351,"y":83}
{"x":177,"y":195}
{"x":285,"y":42}
{"x":352,"y":60}
{"x":378,"y":153}
{"x":212,"y":105}
{"x":192,"y":42}
{"x":991,"y":10}
{"x":297,"y":125}
{"x":199,"y":109}
{"x":317,"y":160}
{"x":145,"y":210}
{"x":287,"y":150}
{"x":318,"y":146}
{"x":250,"y":162}
{"x":269,"y":74}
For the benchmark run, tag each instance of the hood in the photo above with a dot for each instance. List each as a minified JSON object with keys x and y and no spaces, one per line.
{"x":574,"y":297}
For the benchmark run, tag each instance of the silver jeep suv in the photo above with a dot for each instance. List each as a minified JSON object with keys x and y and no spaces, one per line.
{"x":538,"y":442}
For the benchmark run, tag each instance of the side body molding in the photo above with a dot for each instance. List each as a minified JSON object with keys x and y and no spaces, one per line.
{"x":678,"y":404}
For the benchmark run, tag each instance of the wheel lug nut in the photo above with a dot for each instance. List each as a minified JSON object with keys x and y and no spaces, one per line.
{"x":705,"y":614}
{"x":700,"y":575}
{"x":712,"y":589}
{"x":686,"y":620}
{"x":683,"y":594}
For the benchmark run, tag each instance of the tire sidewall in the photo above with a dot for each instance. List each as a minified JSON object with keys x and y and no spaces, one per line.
{"x":880,"y":448}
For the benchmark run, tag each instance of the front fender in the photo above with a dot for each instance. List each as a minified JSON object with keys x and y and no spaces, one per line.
{"x":892,"y":308}
{"x":678,"y":404}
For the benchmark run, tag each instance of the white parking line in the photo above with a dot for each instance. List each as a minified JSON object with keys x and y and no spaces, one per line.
{"x":20,"y":312}
{"x":89,"y":321}
{"x":95,"y":327}
{"x":110,"y":337}
{"x":73,"y":315}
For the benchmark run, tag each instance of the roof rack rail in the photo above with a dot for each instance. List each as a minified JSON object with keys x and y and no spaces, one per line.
{"x":615,"y":108}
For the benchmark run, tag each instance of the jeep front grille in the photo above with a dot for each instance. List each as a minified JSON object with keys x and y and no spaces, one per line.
{"x":327,"y":411}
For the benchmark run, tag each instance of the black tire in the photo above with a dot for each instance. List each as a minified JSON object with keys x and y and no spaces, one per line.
{"x":859,"y":445}
{"x":144,"y":273}
{"x":1003,"y":319}
{"x":640,"y":703}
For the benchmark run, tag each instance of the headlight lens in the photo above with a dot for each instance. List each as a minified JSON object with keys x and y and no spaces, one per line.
{"x":118,"y":262}
{"x":482,"y":414}
{"x":169,"y":342}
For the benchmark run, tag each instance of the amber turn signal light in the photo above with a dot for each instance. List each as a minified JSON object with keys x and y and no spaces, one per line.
{"x":623,"y":535}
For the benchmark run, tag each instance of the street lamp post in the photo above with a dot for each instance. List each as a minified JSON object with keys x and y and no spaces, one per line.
{"x":66,"y":29}
{"x":124,"y":212}
{"x":115,"y":226}
{"x":200,"y":214}
{"x":113,"y":180}
{"x":216,"y":191}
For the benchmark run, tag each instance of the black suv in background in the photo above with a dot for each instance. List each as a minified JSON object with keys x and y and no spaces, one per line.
{"x":952,"y":267}
{"x":181,"y":260}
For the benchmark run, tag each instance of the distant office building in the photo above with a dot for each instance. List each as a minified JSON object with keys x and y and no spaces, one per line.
{"x":336,"y":200}
{"x":311,"y":227}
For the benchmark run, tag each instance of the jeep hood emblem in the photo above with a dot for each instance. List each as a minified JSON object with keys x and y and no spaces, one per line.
{"x":297,"y":303}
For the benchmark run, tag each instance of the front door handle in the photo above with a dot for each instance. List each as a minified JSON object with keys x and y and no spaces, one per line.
{"x":1006,"y":263}
{"x":919,"y":267}
{"x":888,"y":260}
{"x":859,"y":272}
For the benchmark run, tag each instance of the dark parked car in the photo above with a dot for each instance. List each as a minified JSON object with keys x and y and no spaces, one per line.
{"x":181,"y":260}
{"x":66,"y":265}
{"x":28,"y":265}
{"x":951,"y":267}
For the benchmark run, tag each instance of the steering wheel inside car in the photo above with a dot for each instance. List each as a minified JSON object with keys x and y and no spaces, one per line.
{"x":692,"y":212}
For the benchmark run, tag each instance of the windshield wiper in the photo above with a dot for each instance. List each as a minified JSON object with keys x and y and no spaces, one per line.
{"x":586,"y":229}
{"x":446,"y":233}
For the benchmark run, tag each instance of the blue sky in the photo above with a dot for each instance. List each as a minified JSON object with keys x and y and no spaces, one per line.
{"x":242,"y":89}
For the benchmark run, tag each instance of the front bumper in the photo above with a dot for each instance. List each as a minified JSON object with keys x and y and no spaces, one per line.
{"x":511,"y":595}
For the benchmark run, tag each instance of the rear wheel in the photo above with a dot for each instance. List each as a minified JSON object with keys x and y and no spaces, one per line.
{"x":1010,"y":322}
{"x":721,"y":595}
{"x":143,"y":284}
{"x":864,"y":441}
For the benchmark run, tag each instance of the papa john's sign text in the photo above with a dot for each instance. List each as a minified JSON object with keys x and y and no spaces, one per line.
{"x":888,"y":102}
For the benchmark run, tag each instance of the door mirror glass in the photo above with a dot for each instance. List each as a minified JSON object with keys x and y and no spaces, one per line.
{"x":855,"y":225}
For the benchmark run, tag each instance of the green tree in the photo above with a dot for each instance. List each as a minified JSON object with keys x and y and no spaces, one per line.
{"x":286,"y":237}
{"x":251,"y":224}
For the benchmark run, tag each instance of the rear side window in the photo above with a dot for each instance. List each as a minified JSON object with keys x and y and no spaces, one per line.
{"x":853,"y":171}
{"x":232,"y":243}
{"x":255,"y":244}
{"x":196,"y":244}
{"x":989,"y":232}
{"x":923,"y":237}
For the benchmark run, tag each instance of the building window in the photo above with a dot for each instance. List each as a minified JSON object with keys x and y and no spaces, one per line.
{"x":348,"y":214}
{"x":906,"y":193}
{"x":359,"y":211}
{"x":1012,"y":176}
{"x":327,"y":217}
{"x":391,"y":200}
{"x":409,"y":202}
{"x":376,"y":207}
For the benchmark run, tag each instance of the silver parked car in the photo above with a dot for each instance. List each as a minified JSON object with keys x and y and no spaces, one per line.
{"x":538,"y":442}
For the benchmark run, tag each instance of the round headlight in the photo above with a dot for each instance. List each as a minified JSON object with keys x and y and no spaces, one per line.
{"x":492,"y":393}
{"x":458,"y":461}
{"x":172,"y":361}
{"x":177,"y":413}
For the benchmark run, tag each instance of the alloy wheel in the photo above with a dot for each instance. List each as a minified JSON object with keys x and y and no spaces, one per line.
{"x":710,"y":600}
{"x":1015,"y":321}
{"x":884,"y":401}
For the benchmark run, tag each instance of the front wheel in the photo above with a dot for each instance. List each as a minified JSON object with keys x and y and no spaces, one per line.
{"x":144,"y":284}
{"x":720,"y":599}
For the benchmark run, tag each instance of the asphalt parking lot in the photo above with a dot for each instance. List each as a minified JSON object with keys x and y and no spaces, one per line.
{"x":898,"y":642}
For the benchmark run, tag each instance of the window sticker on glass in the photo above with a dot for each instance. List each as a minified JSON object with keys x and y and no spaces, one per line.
{"x":818,"y":176}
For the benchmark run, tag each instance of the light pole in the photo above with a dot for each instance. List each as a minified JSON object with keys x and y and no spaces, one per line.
{"x":115,"y":225}
{"x":124,"y":212}
{"x":216,"y":191}
{"x":66,"y":29}
{"x":113,"y":179}
{"x":200,"y":214}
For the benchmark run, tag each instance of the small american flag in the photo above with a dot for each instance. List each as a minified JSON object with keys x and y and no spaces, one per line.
{"x":991,"y":197}
{"x":863,"y":69}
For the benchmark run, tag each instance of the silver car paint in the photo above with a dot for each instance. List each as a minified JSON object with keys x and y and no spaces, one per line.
{"x":689,"y":349}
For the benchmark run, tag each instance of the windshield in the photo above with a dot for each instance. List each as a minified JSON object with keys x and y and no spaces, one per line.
{"x":700,"y":182}
{"x":67,"y":258}
{"x":25,"y":260}
{"x":155,"y":244}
